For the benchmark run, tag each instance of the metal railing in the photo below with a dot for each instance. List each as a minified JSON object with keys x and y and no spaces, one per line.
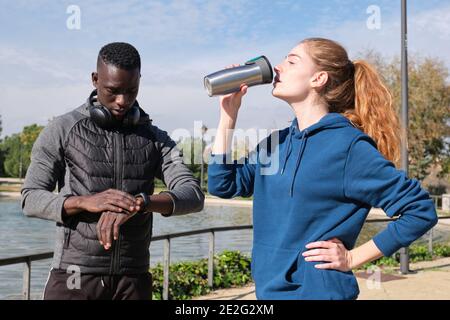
{"x":27,"y":259}
{"x":437,"y":201}
{"x":27,"y":270}
{"x":211,"y":249}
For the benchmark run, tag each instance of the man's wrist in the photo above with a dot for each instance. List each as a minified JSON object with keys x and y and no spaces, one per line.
{"x":146,"y":201}
{"x":172,"y":200}
{"x":73,"y":205}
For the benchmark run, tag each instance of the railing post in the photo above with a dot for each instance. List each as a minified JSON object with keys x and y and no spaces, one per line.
{"x":166,"y":269}
{"x":430,"y":241}
{"x":211,"y":259}
{"x":26,"y":279}
{"x":404,"y":256}
{"x":404,"y":260}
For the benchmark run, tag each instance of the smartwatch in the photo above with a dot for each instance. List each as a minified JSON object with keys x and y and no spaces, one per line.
{"x":146,"y":199}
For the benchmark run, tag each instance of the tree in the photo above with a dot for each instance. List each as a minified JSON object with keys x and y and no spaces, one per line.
{"x":429,"y":103}
{"x":11,"y":149}
{"x":191,"y":149}
{"x":17,"y":150}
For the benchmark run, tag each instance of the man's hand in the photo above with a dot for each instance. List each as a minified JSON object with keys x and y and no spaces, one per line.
{"x":110,"y":221}
{"x":332,"y":251}
{"x":109,"y":200}
{"x":108,"y":227}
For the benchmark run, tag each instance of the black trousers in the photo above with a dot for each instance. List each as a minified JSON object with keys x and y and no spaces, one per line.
{"x":66,"y":286}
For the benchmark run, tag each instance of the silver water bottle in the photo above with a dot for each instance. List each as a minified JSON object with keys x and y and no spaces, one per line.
{"x":253,"y":72}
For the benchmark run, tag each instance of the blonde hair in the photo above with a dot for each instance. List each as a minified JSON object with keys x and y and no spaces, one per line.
{"x":356,"y":90}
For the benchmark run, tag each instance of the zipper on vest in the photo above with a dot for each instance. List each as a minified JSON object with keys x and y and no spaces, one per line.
{"x":118,"y":166}
{"x":115,"y":257}
{"x":118,"y":254}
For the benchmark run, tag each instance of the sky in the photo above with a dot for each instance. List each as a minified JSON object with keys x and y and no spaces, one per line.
{"x":48,"y":50}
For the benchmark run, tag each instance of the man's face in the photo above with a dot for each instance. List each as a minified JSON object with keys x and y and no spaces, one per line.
{"x":117,"y":88}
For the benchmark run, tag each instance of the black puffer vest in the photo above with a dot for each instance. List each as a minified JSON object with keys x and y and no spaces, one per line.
{"x":98,"y":159}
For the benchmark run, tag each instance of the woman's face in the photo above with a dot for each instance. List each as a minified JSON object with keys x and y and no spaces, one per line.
{"x":294,"y":76}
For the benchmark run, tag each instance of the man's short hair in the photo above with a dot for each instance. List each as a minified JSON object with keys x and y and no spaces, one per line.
{"x":121,"y":55}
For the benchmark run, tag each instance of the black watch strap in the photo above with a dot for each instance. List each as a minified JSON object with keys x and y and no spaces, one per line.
{"x":146,"y":199}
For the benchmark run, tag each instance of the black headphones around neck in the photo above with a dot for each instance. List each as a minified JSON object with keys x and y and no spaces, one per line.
{"x":104,"y":118}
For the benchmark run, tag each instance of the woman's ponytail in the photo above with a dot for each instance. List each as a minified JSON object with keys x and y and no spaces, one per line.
{"x":374,"y":112}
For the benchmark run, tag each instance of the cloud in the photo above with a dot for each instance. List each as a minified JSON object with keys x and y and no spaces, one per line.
{"x":36,"y":66}
{"x":433,"y":22}
{"x":170,"y":107}
{"x":428,"y":34}
{"x":194,"y":22}
{"x":22,"y":107}
{"x":180,"y":42}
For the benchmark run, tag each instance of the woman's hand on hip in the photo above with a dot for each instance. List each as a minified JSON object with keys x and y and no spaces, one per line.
{"x":332,"y":252}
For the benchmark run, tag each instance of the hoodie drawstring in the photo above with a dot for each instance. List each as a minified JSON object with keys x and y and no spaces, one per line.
{"x":300,"y":155}
{"x":288,"y":150}
{"x":329,"y":121}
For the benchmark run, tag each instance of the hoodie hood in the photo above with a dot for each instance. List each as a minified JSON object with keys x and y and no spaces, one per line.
{"x":329,"y":121}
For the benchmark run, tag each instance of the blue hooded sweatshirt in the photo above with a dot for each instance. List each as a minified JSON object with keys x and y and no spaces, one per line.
{"x":315,"y":185}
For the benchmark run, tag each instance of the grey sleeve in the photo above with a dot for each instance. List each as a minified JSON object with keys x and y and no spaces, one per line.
{"x":47,"y":167}
{"x":183,"y":187}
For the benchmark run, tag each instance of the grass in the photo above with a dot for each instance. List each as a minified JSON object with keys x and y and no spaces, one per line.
{"x":6,"y":187}
{"x":443,"y":213}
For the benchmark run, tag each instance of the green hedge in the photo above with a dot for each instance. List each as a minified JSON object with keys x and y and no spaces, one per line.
{"x":190,"y":279}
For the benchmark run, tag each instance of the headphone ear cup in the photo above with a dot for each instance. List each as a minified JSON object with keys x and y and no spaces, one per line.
{"x":104,"y":118}
{"x":132,"y":117}
{"x":101,"y":116}
{"x":99,"y":113}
